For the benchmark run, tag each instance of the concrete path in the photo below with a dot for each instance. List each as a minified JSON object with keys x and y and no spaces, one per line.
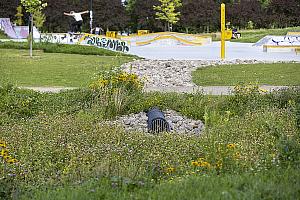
{"x":207,"y":90}
{"x":49,"y":89}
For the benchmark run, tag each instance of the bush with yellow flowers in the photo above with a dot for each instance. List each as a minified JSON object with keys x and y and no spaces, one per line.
{"x":113,"y":90}
{"x":9,"y":171}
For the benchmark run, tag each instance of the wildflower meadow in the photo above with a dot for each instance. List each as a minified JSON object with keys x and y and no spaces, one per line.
{"x":57,"y":146}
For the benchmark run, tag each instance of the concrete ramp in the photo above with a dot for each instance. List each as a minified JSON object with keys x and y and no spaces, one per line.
{"x":17,"y":32}
{"x":287,"y":43}
{"x":168,"y":39}
{"x":22,"y":32}
{"x":5,"y":25}
{"x":287,"y":40}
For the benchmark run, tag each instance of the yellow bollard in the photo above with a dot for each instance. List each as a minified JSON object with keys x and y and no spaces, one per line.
{"x":222,"y":31}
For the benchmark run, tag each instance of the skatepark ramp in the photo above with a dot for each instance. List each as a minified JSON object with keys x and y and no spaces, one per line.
{"x":16,"y":32}
{"x":6,"y":26}
{"x":167,"y":39}
{"x":287,"y":43}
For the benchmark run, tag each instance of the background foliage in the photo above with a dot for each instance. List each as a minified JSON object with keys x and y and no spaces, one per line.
{"x":196,"y":15}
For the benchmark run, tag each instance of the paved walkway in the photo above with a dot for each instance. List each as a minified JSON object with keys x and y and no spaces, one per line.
{"x":49,"y":89}
{"x":208,"y":90}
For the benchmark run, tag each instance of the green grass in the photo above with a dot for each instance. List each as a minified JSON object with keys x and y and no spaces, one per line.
{"x":54,"y":69}
{"x":269,"y":74}
{"x":253,"y":36}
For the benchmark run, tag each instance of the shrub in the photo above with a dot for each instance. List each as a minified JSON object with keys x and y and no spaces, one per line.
{"x":113,"y":90}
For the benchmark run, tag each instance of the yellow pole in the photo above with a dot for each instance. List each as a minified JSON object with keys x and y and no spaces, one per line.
{"x":222,"y":31}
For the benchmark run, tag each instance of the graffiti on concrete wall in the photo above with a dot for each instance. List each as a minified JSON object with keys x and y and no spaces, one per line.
{"x":113,"y":44}
{"x":286,"y":40}
{"x":63,"y":38}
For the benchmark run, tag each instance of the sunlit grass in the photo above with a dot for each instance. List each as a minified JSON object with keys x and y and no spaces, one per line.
{"x":53,"y":69}
{"x":263,"y":74}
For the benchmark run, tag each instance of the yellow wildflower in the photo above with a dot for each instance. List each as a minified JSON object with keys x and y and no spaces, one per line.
{"x":11,"y":160}
{"x":231,"y":146}
{"x":103,"y":83}
{"x":195,"y":163}
{"x":170,"y":170}
{"x":237,"y":155}
{"x":2,"y":144}
{"x":7,"y":157}
{"x":204,"y":164}
{"x":219,"y":165}
{"x":3,"y":152}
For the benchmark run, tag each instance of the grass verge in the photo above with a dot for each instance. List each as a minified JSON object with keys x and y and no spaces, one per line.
{"x":53,"y":69}
{"x":63,"y":48}
{"x":263,"y":74}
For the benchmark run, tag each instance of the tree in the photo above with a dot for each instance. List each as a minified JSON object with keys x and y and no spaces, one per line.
{"x":39,"y":18}
{"x":199,"y":16}
{"x":129,"y":5}
{"x":284,"y":13}
{"x":32,"y":6}
{"x":166,"y":12}
{"x":19,"y":15}
{"x":110,"y":14}
{"x":265,"y":3}
{"x":142,"y":16}
{"x":8,"y":8}
{"x":245,"y":13}
{"x":55,"y":19}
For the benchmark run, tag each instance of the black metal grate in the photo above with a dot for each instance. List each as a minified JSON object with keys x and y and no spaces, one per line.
{"x":159,"y":125}
{"x":157,"y":122}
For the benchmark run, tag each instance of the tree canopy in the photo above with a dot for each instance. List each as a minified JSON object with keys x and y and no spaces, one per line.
{"x":166,"y":11}
{"x":193,"y":16}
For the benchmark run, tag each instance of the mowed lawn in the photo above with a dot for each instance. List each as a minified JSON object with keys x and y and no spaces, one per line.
{"x":53,"y":69}
{"x":263,"y":74}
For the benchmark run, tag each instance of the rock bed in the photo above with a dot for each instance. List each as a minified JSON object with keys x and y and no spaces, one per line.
{"x":178,"y":123}
{"x":173,"y":73}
